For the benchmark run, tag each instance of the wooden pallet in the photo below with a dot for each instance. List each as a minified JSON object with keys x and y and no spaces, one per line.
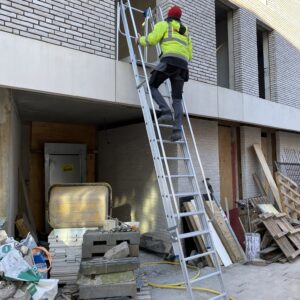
{"x":285,"y":236}
{"x":290,"y":197}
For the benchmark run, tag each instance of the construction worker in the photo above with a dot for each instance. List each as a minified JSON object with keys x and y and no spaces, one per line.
{"x":176,"y":46}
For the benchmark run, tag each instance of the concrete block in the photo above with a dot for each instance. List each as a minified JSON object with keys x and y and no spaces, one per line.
{"x":101,"y":265}
{"x":154,"y":245}
{"x":95,"y":237}
{"x":107,"y":285}
{"x":119,"y":251}
{"x":96,"y":251}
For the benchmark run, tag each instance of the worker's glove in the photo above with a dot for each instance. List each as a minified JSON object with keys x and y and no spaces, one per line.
{"x":137,"y":39}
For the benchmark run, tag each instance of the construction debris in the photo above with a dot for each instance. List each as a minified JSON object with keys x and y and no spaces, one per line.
{"x":20,"y":277}
{"x":119,"y":251}
{"x":111,"y":275}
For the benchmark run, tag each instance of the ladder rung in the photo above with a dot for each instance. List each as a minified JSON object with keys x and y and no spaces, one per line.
{"x":219,"y":296}
{"x":199,"y":255}
{"x":190,"y":213}
{"x":192,"y":234}
{"x":181,"y":176}
{"x":205,"y":277}
{"x":177,"y":158}
{"x":147,"y":64}
{"x":185,"y":194}
{"x":165,"y":125}
{"x":170,"y":142}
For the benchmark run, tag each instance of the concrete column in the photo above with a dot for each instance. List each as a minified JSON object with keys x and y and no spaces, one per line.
{"x":9,"y":159}
{"x":249,"y":161}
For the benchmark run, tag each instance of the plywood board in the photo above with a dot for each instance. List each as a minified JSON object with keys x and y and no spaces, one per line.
{"x":268,"y":174}
{"x":225,"y":165}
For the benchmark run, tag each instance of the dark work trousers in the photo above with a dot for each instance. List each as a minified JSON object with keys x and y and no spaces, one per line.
{"x":177,"y":77}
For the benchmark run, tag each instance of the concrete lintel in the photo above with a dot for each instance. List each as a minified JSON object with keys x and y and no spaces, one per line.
{"x":38,"y":66}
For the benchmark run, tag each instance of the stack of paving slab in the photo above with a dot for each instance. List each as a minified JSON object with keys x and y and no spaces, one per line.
{"x":65,"y":247}
{"x":101,"y":277}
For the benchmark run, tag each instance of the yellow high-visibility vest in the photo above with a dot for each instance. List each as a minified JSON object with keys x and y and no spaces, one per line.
{"x":172,"y":42}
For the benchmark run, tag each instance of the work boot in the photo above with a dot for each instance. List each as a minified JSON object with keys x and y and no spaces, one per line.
{"x":176,"y":135}
{"x":166,"y":118}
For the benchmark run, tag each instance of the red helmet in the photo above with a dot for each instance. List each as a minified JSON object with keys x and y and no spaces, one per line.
{"x":175,"y":11}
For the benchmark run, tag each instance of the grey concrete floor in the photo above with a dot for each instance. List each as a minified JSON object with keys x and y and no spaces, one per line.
{"x":243,"y":282}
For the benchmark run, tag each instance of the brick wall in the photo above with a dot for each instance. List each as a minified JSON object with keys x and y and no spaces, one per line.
{"x":249,"y":161}
{"x":206,"y":134}
{"x":245,"y":52}
{"x":285,"y":71}
{"x":200,"y":17}
{"x":284,"y":47}
{"x":88,"y":25}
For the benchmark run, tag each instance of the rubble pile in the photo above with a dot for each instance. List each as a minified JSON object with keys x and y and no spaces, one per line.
{"x":20,"y":276}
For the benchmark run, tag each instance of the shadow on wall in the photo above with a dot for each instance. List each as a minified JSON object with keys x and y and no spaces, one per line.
{"x":125,"y":162}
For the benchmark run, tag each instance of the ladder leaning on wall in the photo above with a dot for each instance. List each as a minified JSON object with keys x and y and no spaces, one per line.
{"x":162,"y":161}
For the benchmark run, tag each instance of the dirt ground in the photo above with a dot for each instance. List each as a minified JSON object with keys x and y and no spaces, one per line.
{"x":243,"y":282}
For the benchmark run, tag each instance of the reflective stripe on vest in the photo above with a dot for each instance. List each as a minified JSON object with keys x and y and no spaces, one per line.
{"x":171,"y":38}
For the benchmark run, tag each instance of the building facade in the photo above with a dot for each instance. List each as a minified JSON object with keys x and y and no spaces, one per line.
{"x":63,"y":73}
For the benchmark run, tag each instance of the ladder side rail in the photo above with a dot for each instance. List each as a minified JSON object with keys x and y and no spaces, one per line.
{"x":153,"y":107}
{"x":150,"y":130}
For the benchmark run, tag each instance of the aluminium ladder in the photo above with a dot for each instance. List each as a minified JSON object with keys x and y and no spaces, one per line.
{"x":162,"y":161}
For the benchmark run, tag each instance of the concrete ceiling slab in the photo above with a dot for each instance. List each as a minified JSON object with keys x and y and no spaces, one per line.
{"x":52,"y":108}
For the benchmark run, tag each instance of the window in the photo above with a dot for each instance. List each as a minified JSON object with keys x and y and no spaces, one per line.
{"x":224,"y":44}
{"x":263,"y":62}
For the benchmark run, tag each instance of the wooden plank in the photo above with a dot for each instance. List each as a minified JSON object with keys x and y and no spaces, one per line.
{"x":268,"y":174}
{"x":266,"y":240}
{"x":216,"y":240}
{"x":259,"y":185}
{"x":269,"y":249}
{"x":230,"y":242}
